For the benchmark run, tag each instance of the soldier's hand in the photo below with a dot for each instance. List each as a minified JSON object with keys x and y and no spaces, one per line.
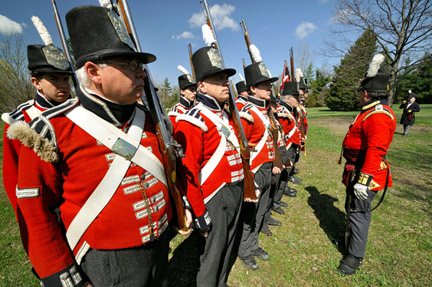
{"x":188,"y":215}
{"x":360,"y":191}
{"x":276,"y":170}
{"x":87,"y":284}
{"x":204,"y":233}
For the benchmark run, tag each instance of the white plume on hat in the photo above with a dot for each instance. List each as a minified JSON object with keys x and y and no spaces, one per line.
{"x":298,"y":74}
{"x":256,"y":54}
{"x":208,"y":36}
{"x":182,"y":69}
{"x":374,"y":66}
{"x":43,"y":32}
{"x":241,"y":77}
{"x":105,"y":3}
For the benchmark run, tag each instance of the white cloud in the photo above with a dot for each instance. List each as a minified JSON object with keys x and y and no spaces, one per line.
{"x":8,"y":26}
{"x":184,"y":35}
{"x":221,"y":16}
{"x":304,"y":29}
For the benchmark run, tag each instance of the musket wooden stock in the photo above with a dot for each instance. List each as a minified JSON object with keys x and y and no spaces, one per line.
{"x":190,"y":59}
{"x":166,"y":143}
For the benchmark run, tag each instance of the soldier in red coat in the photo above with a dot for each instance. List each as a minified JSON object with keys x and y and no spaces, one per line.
{"x":91,"y":182}
{"x":187,"y":87}
{"x":51,"y":78}
{"x":211,"y":171}
{"x":366,"y":170}
{"x":258,"y":132}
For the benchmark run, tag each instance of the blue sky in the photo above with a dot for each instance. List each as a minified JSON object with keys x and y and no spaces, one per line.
{"x":165,"y":28}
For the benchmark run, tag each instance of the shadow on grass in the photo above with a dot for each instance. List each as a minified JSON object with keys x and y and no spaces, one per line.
{"x":184,"y":264}
{"x":331,"y":219}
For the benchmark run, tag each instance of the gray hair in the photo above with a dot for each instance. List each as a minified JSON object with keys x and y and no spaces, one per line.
{"x":83,"y":78}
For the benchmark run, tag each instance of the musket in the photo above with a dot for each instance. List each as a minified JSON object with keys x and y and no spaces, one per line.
{"x":170,"y":149}
{"x":190,"y":59}
{"x":278,"y":157}
{"x":292,"y":76}
{"x":64,"y":41}
{"x":248,"y":181}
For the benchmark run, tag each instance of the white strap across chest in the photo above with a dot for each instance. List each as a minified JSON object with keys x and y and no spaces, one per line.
{"x":223,"y":126}
{"x":122,"y":143}
{"x":263,"y":140}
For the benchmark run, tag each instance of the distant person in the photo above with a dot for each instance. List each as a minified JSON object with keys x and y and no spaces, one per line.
{"x":409,"y":107}
{"x":366,"y":170}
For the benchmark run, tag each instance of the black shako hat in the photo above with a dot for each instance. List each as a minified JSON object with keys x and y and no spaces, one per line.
{"x":291,"y":89}
{"x":97,"y":33}
{"x":378,"y":83}
{"x":241,"y":87}
{"x":207,"y":61}
{"x":257,"y":73}
{"x":47,"y":59}
{"x":303,"y":84}
{"x":185,"y":81}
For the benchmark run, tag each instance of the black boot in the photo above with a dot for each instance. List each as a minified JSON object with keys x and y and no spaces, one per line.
{"x":349,"y":264}
{"x":289,"y":191}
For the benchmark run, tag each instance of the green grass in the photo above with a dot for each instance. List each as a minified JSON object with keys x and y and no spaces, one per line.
{"x":399,"y":251}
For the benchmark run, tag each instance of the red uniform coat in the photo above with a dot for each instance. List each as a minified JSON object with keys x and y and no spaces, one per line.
{"x":369,"y":138}
{"x":68,"y":183}
{"x":11,"y":147}
{"x":289,"y":124}
{"x":254,"y":129}
{"x":182,"y":107}
{"x":199,"y":137}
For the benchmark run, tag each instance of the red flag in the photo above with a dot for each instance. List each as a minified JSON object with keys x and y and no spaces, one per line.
{"x":285,"y":76}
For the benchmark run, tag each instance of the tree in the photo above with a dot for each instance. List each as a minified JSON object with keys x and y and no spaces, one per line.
{"x":317,"y":89}
{"x":401,"y":27}
{"x":15,"y":85}
{"x":341,"y":96}
{"x":417,"y":78}
{"x":304,"y":61}
{"x":166,"y":94}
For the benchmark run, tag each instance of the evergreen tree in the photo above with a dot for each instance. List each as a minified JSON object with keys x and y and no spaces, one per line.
{"x":317,"y":89}
{"x":418,"y":79}
{"x":341,"y":96}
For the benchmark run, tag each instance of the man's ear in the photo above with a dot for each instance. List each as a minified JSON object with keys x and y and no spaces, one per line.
{"x":36,"y":83}
{"x":202,"y":87}
{"x":93,"y":72}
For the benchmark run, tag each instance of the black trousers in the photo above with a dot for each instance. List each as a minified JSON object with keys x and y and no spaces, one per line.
{"x":215,"y":250}
{"x":359,"y":220}
{"x":253,"y":213}
{"x":141,"y":266}
{"x":278,"y":193}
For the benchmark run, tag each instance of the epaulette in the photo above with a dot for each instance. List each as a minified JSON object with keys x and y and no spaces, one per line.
{"x":246,"y":114}
{"x":379,"y":109}
{"x":17,"y":114}
{"x":194,"y":117}
{"x":39,"y":134}
{"x":283,"y":112}
{"x":174,"y":111}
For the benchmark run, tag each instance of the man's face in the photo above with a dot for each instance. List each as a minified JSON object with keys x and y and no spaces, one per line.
{"x":262,"y":90}
{"x":412,"y":100}
{"x":54,"y":86}
{"x":122,"y":80}
{"x":189,"y":93}
{"x":293,"y":102}
{"x":216,"y":86}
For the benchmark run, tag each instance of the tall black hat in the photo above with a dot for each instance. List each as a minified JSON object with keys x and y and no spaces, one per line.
{"x":241,"y":87}
{"x":207,"y":61}
{"x":376,"y":80}
{"x":47,"y":59}
{"x":97,"y":33}
{"x":303,"y":84}
{"x":257,"y":73}
{"x":291,"y":89}
{"x":185,"y":81}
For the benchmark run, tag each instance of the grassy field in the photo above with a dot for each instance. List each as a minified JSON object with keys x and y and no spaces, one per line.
{"x":399,"y":251}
